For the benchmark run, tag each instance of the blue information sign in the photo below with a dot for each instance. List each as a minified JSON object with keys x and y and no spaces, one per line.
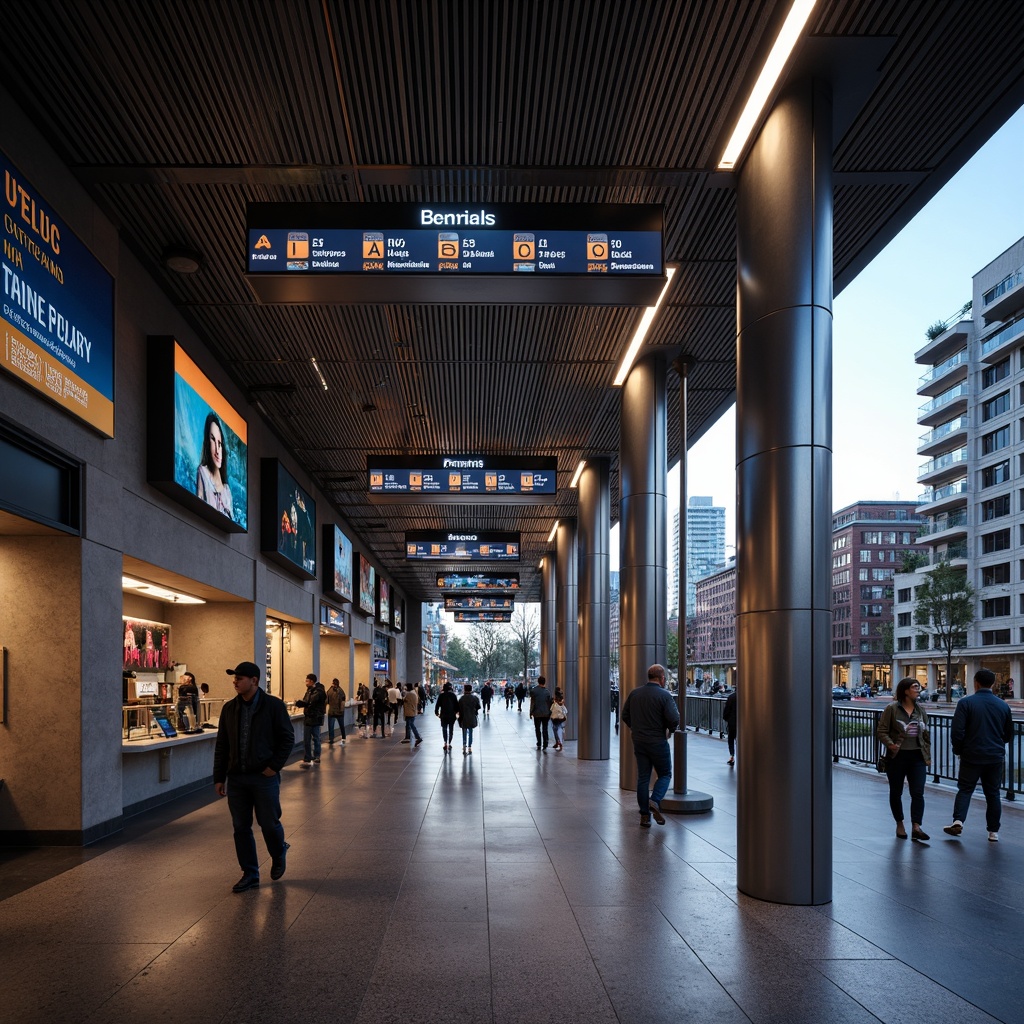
{"x":478,"y":546}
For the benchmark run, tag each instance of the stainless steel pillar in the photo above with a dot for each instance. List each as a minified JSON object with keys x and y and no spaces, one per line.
{"x":784,"y":513}
{"x":548,"y":630}
{"x":413,"y":642}
{"x":567,"y":622}
{"x":594,"y":702}
{"x":643,"y":545}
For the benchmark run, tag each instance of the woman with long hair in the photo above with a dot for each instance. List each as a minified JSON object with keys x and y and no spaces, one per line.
{"x":212,"y":475}
{"x":903,"y":729}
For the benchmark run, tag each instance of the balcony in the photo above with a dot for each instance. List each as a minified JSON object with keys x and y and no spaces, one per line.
{"x":945,"y":527}
{"x":945,"y":436}
{"x":947,"y":404}
{"x":942,"y":347}
{"x":944,"y":374}
{"x":934,"y":501}
{"x":1005,"y":299}
{"x":995,"y":346}
{"x":943,"y":467}
{"x":954,"y":554}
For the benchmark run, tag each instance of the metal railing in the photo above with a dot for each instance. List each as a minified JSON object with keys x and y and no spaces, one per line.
{"x":853,"y":738}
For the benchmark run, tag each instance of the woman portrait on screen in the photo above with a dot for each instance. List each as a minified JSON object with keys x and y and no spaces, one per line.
{"x":212,"y":476}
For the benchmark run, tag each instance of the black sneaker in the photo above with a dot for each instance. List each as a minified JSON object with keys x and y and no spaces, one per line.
{"x":278,"y":864}
{"x":656,"y":813}
{"x":246,"y":882}
{"x":645,"y":821}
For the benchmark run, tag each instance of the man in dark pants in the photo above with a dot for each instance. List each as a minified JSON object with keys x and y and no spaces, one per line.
{"x":254,"y":739}
{"x":520,"y":694}
{"x":540,"y":710}
{"x":729,"y":717}
{"x":651,"y":713}
{"x":314,"y":709}
{"x":982,"y":726}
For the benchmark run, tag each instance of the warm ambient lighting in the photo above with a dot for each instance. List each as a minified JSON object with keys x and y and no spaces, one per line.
{"x":159,"y":593}
{"x":316,"y":367}
{"x":579,"y":472}
{"x":641,"y":332}
{"x":554,"y":530}
{"x":766,"y":81}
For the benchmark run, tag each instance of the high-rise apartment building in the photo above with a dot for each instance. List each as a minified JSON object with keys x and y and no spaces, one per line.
{"x":973,"y":502}
{"x":714,"y":630}
{"x":705,"y":548}
{"x":870,"y":544}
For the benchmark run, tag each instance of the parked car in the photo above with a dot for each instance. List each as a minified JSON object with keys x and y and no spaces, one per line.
{"x":841,"y":693}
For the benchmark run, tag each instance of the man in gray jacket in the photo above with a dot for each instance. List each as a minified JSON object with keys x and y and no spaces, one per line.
{"x":982,"y":726}
{"x":651,"y":713}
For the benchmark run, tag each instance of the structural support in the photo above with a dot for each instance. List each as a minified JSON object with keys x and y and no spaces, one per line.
{"x":683,"y":799}
{"x":643,"y":544}
{"x":784,"y":484}
{"x":548,"y":629}
{"x":594,"y":703}
{"x":566,"y":622}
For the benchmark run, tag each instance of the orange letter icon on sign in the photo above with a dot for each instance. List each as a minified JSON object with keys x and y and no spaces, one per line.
{"x":373,"y":245}
{"x":523,"y":246}
{"x":597,"y":247}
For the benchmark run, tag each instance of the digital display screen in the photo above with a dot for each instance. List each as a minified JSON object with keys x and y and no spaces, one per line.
{"x":288,"y":529}
{"x":383,"y":610}
{"x":397,"y":615}
{"x":463,"y":474}
{"x":337,"y":563}
{"x":367,"y":584}
{"x":333,"y":619}
{"x":147,"y":645}
{"x":478,"y":582}
{"x":58,"y":308}
{"x":458,"y":604}
{"x":380,"y":665}
{"x":483,"y":616}
{"x":476,"y":546}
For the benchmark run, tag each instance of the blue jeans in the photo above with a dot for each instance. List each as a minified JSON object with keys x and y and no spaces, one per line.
{"x":467,"y":738}
{"x":255,"y":792}
{"x":907,"y":765}
{"x":447,"y":732}
{"x":310,"y":741}
{"x":331,"y":719}
{"x":559,"y":728}
{"x":410,"y":727}
{"x":651,"y":754}
{"x":991,"y":778}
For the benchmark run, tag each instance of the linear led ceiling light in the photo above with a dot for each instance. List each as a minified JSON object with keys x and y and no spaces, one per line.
{"x":766,"y":81}
{"x":554,"y":530}
{"x":316,"y":367}
{"x":641,"y":332}
{"x":579,"y":472}
{"x":159,"y":593}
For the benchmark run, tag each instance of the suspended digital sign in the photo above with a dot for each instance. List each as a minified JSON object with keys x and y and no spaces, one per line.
{"x":448,"y":478}
{"x":488,"y":604}
{"x":595,"y":254}
{"x":457,"y":546}
{"x":477,"y":582}
{"x":483,"y":616}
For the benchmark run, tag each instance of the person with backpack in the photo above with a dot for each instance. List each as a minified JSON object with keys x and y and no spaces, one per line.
{"x":447,"y":709}
{"x":469,"y":708}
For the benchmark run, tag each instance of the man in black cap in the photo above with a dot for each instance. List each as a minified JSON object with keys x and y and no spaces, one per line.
{"x":254,"y":739}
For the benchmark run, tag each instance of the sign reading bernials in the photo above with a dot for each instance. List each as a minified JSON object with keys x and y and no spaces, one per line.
{"x":58,"y":308}
{"x":444,"y":478}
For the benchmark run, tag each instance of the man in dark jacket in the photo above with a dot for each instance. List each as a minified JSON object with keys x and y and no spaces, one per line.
{"x":254,"y":740}
{"x":651,"y":713}
{"x":314,"y":709}
{"x":982,"y":726}
{"x":540,"y":710}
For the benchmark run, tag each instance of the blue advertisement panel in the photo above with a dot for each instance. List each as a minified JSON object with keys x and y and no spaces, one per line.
{"x":58,"y":308}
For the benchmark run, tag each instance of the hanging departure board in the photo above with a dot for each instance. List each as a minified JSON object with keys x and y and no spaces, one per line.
{"x":471,"y":546}
{"x":483,"y":616}
{"x":478,"y":582}
{"x":513,"y":479}
{"x":480,"y":604}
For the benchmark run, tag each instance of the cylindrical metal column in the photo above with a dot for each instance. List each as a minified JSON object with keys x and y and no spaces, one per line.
{"x":413,"y":643}
{"x":548,"y":630}
{"x":643,"y":544}
{"x":567,"y":621}
{"x":784,"y":509}
{"x":594,"y":714}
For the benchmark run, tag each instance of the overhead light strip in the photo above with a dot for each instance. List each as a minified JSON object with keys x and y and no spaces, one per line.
{"x":316,"y":367}
{"x":579,"y":472}
{"x":554,"y":530}
{"x":766,"y":81}
{"x":641,"y":332}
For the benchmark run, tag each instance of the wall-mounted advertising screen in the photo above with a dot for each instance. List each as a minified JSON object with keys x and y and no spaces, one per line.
{"x":288,"y":520}
{"x":448,"y":478}
{"x":382,"y":613}
{"x":333,"y":619}
{"x":474,"y":603}
{"x":476,"y":582}
{"x":461,"y":546}
{"x":337,"y":563}
{"x":483,"y":616}
{"x":197,"y":444}
{"x":380,"y":665}
{"x":147,"y":645}
{"x":397,"y":614}
{"x":367,"y":577}
{"x":58,"y":308}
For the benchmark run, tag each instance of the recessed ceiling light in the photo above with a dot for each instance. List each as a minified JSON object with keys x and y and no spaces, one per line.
{"x":181,"y":259}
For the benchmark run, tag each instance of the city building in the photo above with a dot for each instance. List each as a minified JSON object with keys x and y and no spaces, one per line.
{"x":973,"y":502}
{"x":613,"y":623}
{"x":705,"y":548}
{"x":871,"y":542}
{"x":714,"y":630}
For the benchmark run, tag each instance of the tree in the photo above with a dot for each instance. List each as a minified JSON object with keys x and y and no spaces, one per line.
{"x":887,"y":631}
{"x":672,"y":650}
{"x":457,"y":655}
{"x":484,"y":643}
{"x":525,"y":630}
{"x":944,"y":608}
{"x":911,"y":561}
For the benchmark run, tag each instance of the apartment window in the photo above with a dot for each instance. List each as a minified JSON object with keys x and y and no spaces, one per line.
{"x":840,"y":542}
{"x":881,"y":574}
{"x":995,"y":508}
{"x":997,"y":439}
{"x":838,"y":561}
{"x":995,"y":406}
{"x":997,"y":474}
{"x":870,"y":646}
{"x":994,"y":607}
{"x":864,"y":575}
{"x":904,"y":594}
{"x":921,"y":642}
{"x":992,"y":637}
{"x":871,"y":537}
{"x":998,"y":541}
{"x":993,"y":374}
{"x":874,"y":593}
{"x":865,"y":629}
{"x":903,"y":619}
{"x":1020,"y":598}
{"x":871,"y":611}
{"x":865,"y":554}
{"x":903,"y":643}
{"x":993,"y":574}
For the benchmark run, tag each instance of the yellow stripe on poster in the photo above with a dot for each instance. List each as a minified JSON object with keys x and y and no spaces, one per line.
{"x":26,"y":360}
{"x":200,"y":383}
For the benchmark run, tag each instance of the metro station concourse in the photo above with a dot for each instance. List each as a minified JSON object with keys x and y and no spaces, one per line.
{"x":204,"y":358}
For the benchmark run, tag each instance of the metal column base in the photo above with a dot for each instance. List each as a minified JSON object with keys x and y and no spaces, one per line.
{"x":690,"y":802}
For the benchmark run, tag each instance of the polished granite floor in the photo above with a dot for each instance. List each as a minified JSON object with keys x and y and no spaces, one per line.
{"x":511,"y":886}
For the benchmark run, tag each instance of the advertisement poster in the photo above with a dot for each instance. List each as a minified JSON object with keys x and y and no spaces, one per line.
{"x":58,"y":308}
{"x":367,"y":585}
{"x":146,"y":645}
{"x":296,"y":538}
{"x":338,"y":569}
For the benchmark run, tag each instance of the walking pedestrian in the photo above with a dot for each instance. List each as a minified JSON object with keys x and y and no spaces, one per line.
{"x":903,"y":728}
{"x":469,"y":707}
{"x":729,"y":717}
{"x":447,"y":709}
{"x":520,"y":694}
{"x":650,"y":713}
{"x":380,"y":708}
{"x":335,"y":711}
{"x":559,"y":713}
{"x":540,"y":710}
{"x":411,"y":704}
{"x":486,"y":694}
{"x":314,"y":708}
